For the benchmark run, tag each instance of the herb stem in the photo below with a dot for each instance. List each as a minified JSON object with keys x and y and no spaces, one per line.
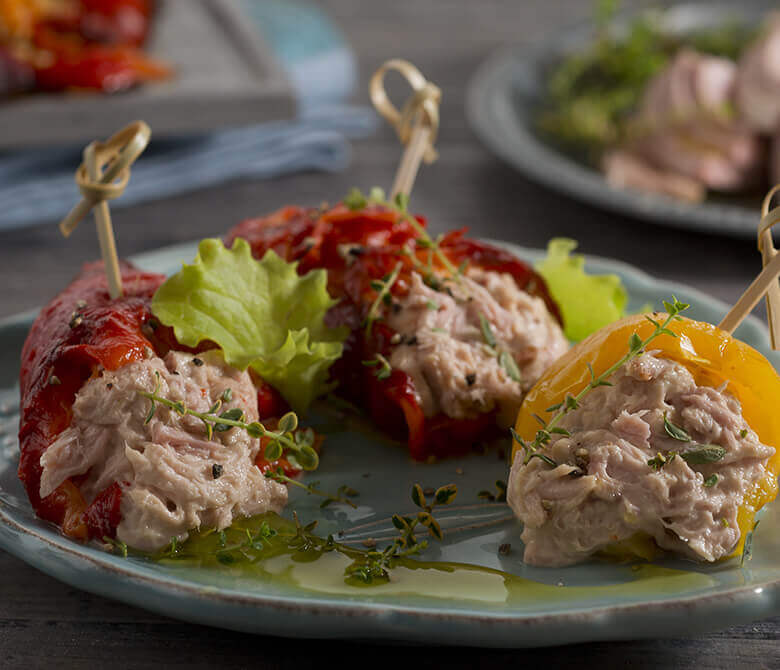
{"x":311,"y":489}
{"x":636,"y":347}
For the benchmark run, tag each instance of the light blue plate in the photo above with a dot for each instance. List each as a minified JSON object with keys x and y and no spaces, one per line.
{"x":594,"y":601}
{"x":506,"y":92}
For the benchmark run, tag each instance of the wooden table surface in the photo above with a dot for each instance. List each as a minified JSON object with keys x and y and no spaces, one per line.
{"x":46,"y":624}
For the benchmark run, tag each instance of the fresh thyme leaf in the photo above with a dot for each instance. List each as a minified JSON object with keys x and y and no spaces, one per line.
{"x":747,"y":548}
{"x":153,"y":407}
{"x":445,"y":494}
{"x":418,"y":498}
{"x":279,"y":476}
{"x":657,"y":462}
{"x":544,"y":458}
{"x":708,"y":453}
{"x":507,"y":362}
{"x":117,"y":547}
{"x":383,"y":367}
{"x":675,"y":431}
{"x":743,"y":433}
{"x":634,"y":343}
{"x":227,"y":395}
{"x":487,"y":331}
{"x":355,"y":200}
{"x":570,"y":402}
{"x":402,"y":201}
{"x":383,"y":290}
{"x":288,"y":423}
{"x":298,"y":446}
{"x":711,"y":481}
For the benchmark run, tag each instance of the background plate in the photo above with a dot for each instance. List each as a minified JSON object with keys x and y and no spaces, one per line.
{"x":506,"y":91}
{"x":593,"y":601}
{"x":223,"y":76}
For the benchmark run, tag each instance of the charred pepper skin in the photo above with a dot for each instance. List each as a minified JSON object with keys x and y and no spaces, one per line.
{"x":75,"y":337}
{"x":81,"y":332}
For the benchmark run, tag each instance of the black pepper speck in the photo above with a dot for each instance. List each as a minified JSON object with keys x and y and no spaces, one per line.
{"x":197,"y":361}
{"x":216,"y":470}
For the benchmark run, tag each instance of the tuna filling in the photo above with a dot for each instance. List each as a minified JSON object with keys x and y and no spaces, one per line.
{"x":603,"y":489}
{"x":445,"y":352}
{"x":172,"y":477}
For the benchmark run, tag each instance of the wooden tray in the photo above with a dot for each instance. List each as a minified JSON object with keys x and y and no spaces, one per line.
{"x":225,"y":76}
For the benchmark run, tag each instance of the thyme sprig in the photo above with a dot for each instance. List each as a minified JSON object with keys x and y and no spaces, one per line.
{"x":117,"y":547}
{"x":355,"y":200}
{"x":498,"y":496}
{"x":257,"y":541}
{"x":382,"y":287}
{"x":343,"y":494}
{"x":383,"y":370}
{"x":297,"y":446}
{"x":375,"y":565}
{"x":636,"y":347}
{"x":505,"y":359}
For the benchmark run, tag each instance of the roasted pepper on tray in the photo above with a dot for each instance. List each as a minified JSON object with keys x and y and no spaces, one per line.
{"x":78,"y":44}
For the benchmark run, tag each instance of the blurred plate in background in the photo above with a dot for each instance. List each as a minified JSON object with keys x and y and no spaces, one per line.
{"x":224,"y":75}
{"x":507,"y":91}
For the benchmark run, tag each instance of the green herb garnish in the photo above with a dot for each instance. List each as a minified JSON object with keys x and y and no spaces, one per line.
{"x":382,"y":287}
{"x":636,"y":347}
{"x":299,"y":446}
{"x":708,"y":453}
{"x":747,"y":548}
{"x":342,"y":496}
{"x":383,"y":370}
{"x":375,"y":565}
{"x":675,"y":431}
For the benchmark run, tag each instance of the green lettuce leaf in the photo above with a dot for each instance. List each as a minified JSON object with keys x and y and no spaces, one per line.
{"x":262,"y":314}
{"x":587,"y":302}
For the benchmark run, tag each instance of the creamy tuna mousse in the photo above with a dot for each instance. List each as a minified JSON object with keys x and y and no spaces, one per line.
{"x":603,"y":489}
{"x":172,"y":477}
{"x":444,"y":350}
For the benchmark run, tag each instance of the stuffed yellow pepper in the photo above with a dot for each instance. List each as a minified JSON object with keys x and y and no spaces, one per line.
{"x":656,"y":431}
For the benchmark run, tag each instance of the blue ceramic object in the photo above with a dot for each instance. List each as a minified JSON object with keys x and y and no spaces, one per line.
{"x":593,"y":601}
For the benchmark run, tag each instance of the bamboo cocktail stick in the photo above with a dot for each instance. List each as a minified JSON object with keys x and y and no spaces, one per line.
{"x":767,"y":281}
{"x":103,"y":176}
{"x":416,"y":124}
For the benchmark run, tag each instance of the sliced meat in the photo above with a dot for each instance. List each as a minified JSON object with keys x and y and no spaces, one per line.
{"x":626,"y":169}
{"x":685,"y":126}
{"x":757,"y":92}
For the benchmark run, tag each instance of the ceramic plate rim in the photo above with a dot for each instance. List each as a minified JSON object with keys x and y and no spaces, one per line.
{"x":515,"y":629}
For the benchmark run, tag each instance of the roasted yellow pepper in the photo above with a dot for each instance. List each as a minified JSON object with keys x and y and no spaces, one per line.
{"x":710,"y":354}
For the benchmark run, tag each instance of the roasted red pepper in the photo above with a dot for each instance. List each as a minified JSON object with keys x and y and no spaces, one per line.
{"x":79,"y":333}
{"x":357,"y":248}
{"x":76,"y":336}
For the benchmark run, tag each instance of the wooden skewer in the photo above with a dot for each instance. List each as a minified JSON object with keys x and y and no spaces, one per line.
{"x":767,"y":281}
{"x":416,"y":124}
{"x":104,"y":229}
{"x":103,"y":176}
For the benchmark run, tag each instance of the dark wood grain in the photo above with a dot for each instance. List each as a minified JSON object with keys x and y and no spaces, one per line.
{"x":46,"y":624}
